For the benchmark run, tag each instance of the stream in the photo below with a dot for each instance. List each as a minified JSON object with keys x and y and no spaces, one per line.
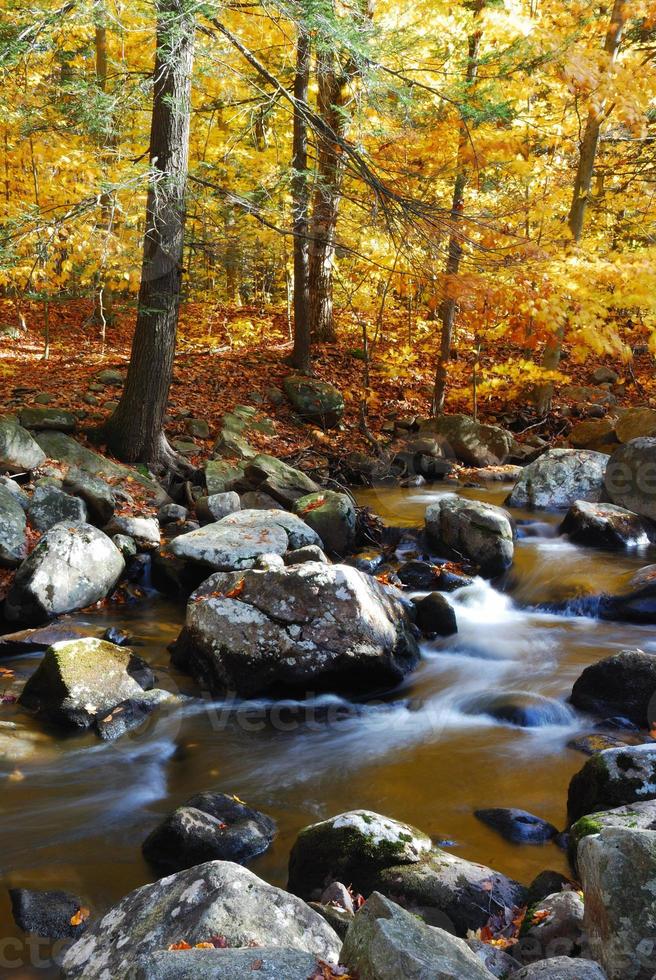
{"x":76,"y":813}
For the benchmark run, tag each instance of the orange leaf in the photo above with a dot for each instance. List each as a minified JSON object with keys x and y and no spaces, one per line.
{"x":179,"y":945}
{"x":80,"y":916}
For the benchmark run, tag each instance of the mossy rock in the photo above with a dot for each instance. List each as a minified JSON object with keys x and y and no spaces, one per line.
{"x":315,"y":401}
{"x":332,"y":515}
{"x":634,"y":816}
{"x":611,"y":779}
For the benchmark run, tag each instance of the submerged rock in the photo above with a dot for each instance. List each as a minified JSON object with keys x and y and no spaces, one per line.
{"x":72,"y":566}
{"x":46,"y":913}
{"x":217,"y":899}
{"x":385,"y":942}
{"x":307,"y":627}
{"x":605,"y":526}
{"x":520,"y":708}
{"x":517,"y":826}
{"x":79,"y":680}
{"x":131,"y":714}
{"x":19,"y":453}
{"x":613,"y":778}
{"x":474,"y":530}
{"x":210,"y":826}
{"x":624,"y":684}
{"x":559,"y":478}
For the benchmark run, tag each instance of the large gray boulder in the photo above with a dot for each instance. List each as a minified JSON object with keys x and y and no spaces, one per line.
{"x":474,"y":530}
{"x":282,"y":482}
{"x":332,"y":515}
{"x":47,"y":418}
{"x":95,"y":492}
{"x":238,"y":540}
{"x":144,"y":531}
{"x":605,"y":526}
{"x":304,"y":628}
{"x":385,"y":942}
{"x":558,"y":478}
{"x":227,"y":964}
{"x":560,"y":968}
{"x":613,"y":778}
{"x":217,"y":899}
{"x":72,"y":566}
{"x":79,"y":680}
{"x":630,"y":479}
{"x":19,"y":453}
{"x":472,"y":442}
{"x":618,"y":873}
{"x":13,"y":541}
{"x":554,"y":927}
{"x":50,"y":506}
{"x":635,"y":816}
{"x":624,"y":684}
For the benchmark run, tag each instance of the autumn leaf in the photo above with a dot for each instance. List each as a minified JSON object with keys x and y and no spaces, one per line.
{"x":80,"y":916}
{"x":181,"y":944}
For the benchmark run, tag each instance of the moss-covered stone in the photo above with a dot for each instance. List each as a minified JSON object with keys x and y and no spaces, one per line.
{"x":611,"y":779}
{"x":315,"y":401}
{"x":332,"y":515}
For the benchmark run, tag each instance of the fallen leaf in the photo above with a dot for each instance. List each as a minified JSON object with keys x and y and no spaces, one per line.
{"x":80,"y":916}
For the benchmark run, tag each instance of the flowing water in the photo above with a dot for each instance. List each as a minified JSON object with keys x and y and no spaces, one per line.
{"x":74,"y":815}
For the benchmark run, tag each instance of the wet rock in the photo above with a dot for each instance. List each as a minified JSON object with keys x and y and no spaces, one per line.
{"x":114,"y":634}
{"x":271,"y":963}
{"x":311,"y":552}
{"x":305,"y":628}
{"x":592,"y":433}
{"x":209,"y":827}
{"x":47,"y":418}
{"x":559,"y":932}
{"x":472,"y":442}
{"x":282,"y":482}
{"x":79,"y":680}
{"x":50,"y":506}
{"x":424,"y":576}
{"x":143,"y":530}
{"x":214,"y":899}
{"x":13,"y":540}
{"x":257,"y":500}
{"x":478,"y":531}
{"x":126,"y":545}
{"x":33,"y":640}
{"x":611,"y":779}
{"x":18,"y":744}
{"x":368,"y":560}
{"x":636,"y":423}
{"x":46,"y":913}
{"x":172,"y":514}
{"x":521,"y":708}
{"x":595,"y":742}
{"x":315,"y":401}
{"x":499,"y":963}
{"x":624,"y":684}
{"x":19,"y":453}
{"x":435,"y":615}
{"x":96,"y":494}
{"x":634,"y":816}
{"x":236,"y":541}
{"x":618,"y":871}
{"x":517,"y":826}
{"x":385,"y":942}
{"x":561,"y":968}
{"x":222,"y":476}
{"x":333,"y":517}
{"x":131,"y":714}
{"x":547,"y":883}
{"x":630,"y":477}
{"x":72,"y":566}
{"x":338,"y":894}
{"x":349,"y":847}
{"x":217,"y":506}
{"x":605,"y":526}
{"x":559,"y":478}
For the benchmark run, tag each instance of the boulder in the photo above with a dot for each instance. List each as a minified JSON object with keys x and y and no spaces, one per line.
{"x":520,"y":708}
{"x":237,"y":541}
{"x":217,"y":506}
{"x":333,"y":517}
{"x":302,"y":628}
{"x":435,"y":616}
{"x":39,"y":639}
{"x":553,"y":927}
{"x":547,"y":883}
{"x":605,"y":375}
{"x":209,"y":827}
{"x":114,"y":377}
{"x":517,"y":826}
{"x":46,"y":913}
{"x":494,"y":959}
{"x":624,"y":684}
{"x":613,"y":778}
{"x":385,"y":942}
{"x":472,"y":442}
{"x":78,"y":680}
{"x":96,"y":494}
{"x":217,"y":899}
{"x":605,"y":526}
{"x":221,"y":476}
{"x":19,"y":453}
{"x":474,"y":530}
{"x":144,"y":531}
{"x":315,"y":401}
{"x":593,"y":395}
{"x":268,"y":963}
{"x":635,"y":816}
{"x":630,"y":479}
{"x":17,"y":492}
{"x":130,"y":715}
{"x":282,"y":482}
{"x":72,"y":566}
{"x":618,"y":871}
{"x":172,"y":514}
{"x":560,"y":968}
{"x":236,"y":428}
{"x":13,"y":540}
{"x":349,"y":847}
{"x":50,"y":506}
{"x":636,"y":423}
{"x":427,"y":577}
{"x":593,"y":433}
{"x":47,"y":418}
{"x":197,"y":428}
{"x":258,"y":500}
{"x":311,"y":552}
{"x":558,"y":478}
{"x":126,"y":545}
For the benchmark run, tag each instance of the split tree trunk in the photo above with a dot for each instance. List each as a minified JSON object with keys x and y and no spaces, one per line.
{"x":300,"y":205}
{"x":135,"y":431}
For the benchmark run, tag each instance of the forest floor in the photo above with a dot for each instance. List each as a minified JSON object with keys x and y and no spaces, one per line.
{"x":228,"y":356}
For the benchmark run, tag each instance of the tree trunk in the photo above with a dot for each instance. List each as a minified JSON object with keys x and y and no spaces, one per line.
{"x":454,"y":255}
{"x":300,"y":203}
{"x":135,"y":431}
{"x":103,"y":298}
{"x":580,"y":195}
